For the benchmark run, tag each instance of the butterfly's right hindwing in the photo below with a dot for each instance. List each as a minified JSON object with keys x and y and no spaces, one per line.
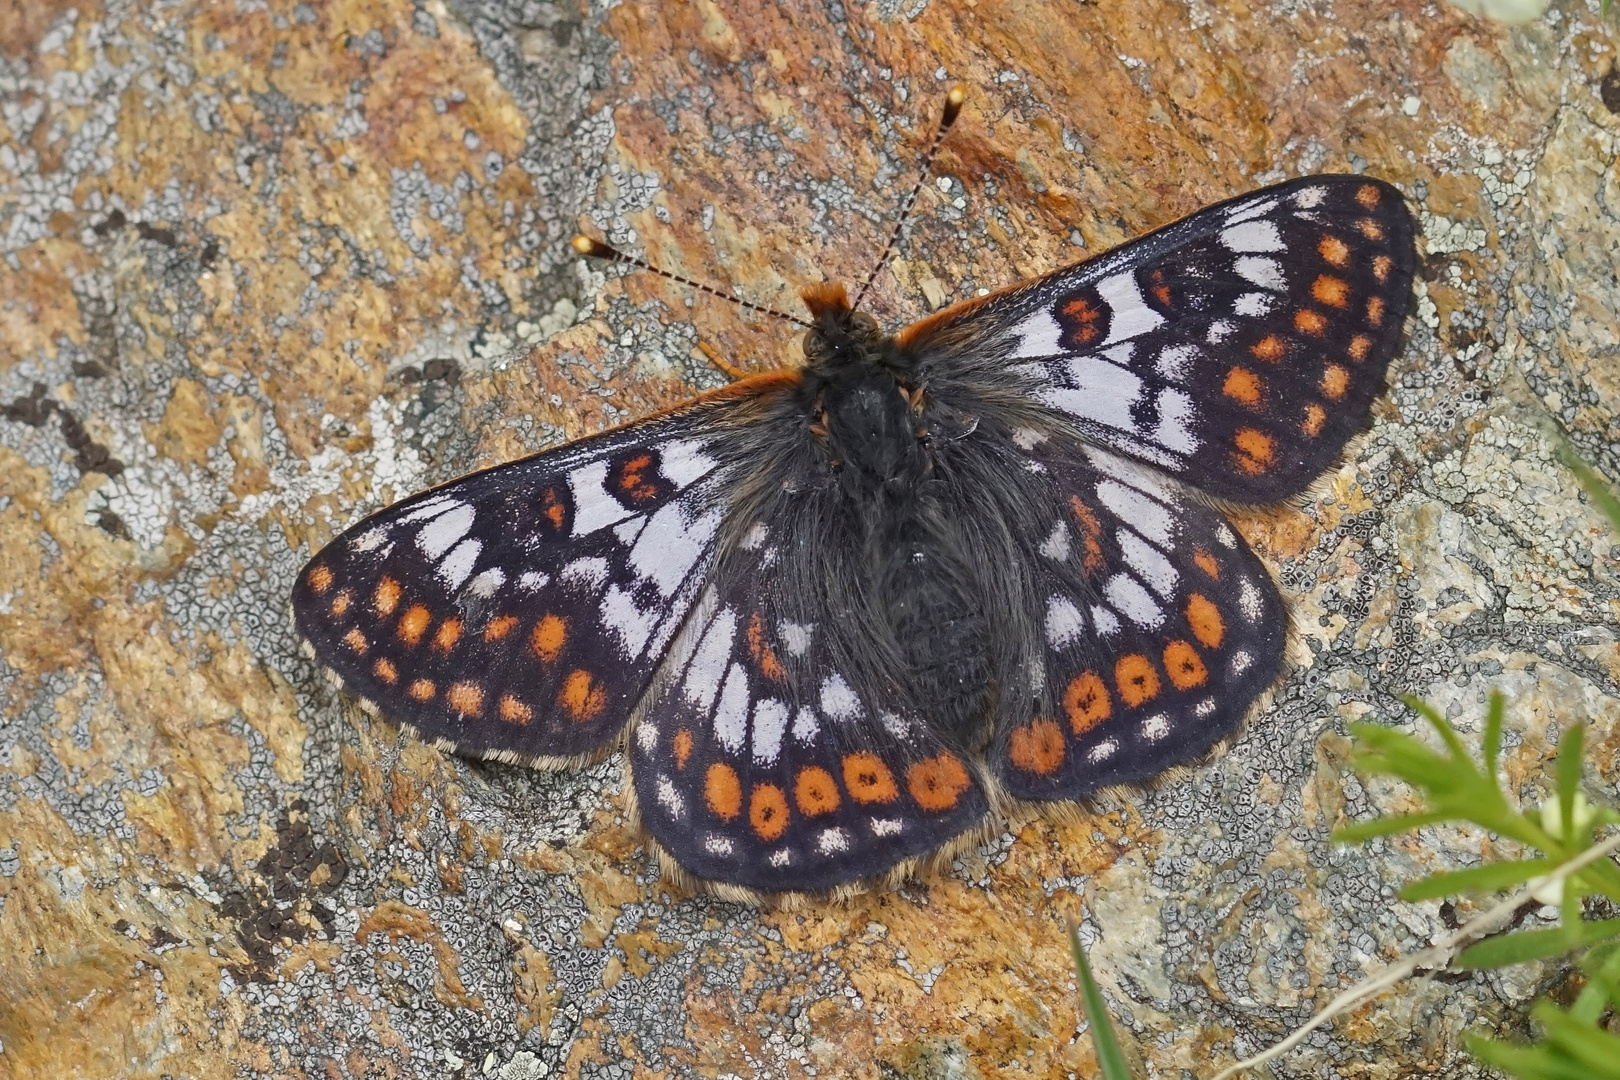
{"x":519,"y":612}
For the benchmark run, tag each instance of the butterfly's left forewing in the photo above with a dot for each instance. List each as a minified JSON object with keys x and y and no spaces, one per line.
{"x":519,"y":612}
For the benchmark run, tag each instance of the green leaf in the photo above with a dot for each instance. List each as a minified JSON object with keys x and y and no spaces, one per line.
{"x":1569,"y":780}
{"x":1110,"y":1059}
{"x":1492,"y":743}
{"x":1440,"y":724}
{"x":1597,"y":1050}
{"x":1527,"y":1063}
{"x":1535,"y":944}
{"x":1492,"y":877}
{"x":1597,"y":488}
{"x":1366,"y":830}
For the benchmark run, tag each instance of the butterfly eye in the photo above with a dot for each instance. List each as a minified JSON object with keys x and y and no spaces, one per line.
{"x":815,"y":346}
{"x":863,"y":324}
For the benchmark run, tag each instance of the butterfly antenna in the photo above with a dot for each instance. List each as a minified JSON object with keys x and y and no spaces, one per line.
{"x":596,"y":249}
{"x":953,"y":106}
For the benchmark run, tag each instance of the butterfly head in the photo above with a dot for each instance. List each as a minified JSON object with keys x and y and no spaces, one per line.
{"x":839,"y":335}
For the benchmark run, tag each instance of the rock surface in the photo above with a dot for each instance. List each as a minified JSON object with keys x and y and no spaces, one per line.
{"x":265,"y":266}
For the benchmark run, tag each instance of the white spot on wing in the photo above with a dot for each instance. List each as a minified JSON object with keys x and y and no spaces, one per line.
{"x":1255,"y":304}
{"x":594,"y":508}
{"x":1148,"y":562}
{"x":716,"y":845}
{"x":770,"y":722}
{"x":1104,"y":620}
{"x":731,"y":714}
{"x":1240,"y":662}
{"x":1028,"y":438}
{"x":780,"y":858}
{"x":1126,"y":595}
{"x":459,"y":563}
{"x":669,"y":798}
{"x":685,"y":463}
{"x":1155,"y":727}
{"x":832,"y":841}
{"x":619,"y":612}
{"x":795,"y":637}
{"x":669,"y":547}
{"x":1101,"y":391}
{"x":627,"y":531}
{"x":1130,"y":314}
{"x":1102,"y":751}
{"x":709,"y":661}
{"x":368,"y":541}
{"x":1205,"y":707}
{"x":1219,"y":331}
{"x":486,"y":583}
{"x":1266,"y":273}
{"x":838,"y":701}
{"x":895,"y":725}
{"x":1250,"y":600}
{"x":1175,"y":360}
{"x":1175,"y":411}
{"x":591,"y":570}
{"x":1064,"y":622}
{"x":532,"y":580}
{"x":805,"y":725}
{"x":438,"y":535}
{"x":1253,"y":236}
{"x":886,"y":826}
{"x":1056,"y":546}
{"x":1309,"y":198}
{"x":1038,"y":335}
{"x":755,"y":538}
{"x":1147,"y":516}
{"x":647,"y":736}
{"x":1224,"y":535}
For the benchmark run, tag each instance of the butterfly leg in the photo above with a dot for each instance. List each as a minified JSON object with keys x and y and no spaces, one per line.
{"x":730,"y":370}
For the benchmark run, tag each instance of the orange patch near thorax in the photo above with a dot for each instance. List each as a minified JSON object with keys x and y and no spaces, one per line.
{"x":760,"y":649}
{"x":1205,"y":620}
{"x":937,"y":783}
{"x":1136,"y":679}
{"x":1254,"y":451}
{"x":1242,"y":386}
{"x":1086,"y":702}
{"x":722,"y":791}
{"x":815,"y":791}
{"x":768,"y":811}
{"x":1037,"y":747}
{"x":413,"y":624}
{"x":581,"y":697}
{"x":548,"y":637}
{"x":1184,"y":666}
{"x":868,"y":779}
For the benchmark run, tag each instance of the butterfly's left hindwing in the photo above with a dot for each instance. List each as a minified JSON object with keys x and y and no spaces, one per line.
{"x":1159,"y":629}
{"x":519,"y":612}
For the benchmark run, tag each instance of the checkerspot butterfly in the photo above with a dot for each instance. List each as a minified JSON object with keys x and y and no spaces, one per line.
{"x":843,"y":615}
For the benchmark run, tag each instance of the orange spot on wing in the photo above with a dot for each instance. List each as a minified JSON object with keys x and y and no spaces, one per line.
{"x":581,"y":697}
{"x":1206,"y":562}
{"x":554,"y":509}
{"x":1332,"y":291}
{"x":1091,"y":530}
{"x":422,"y":689}
{"x":1037,"y":747}
{"x":413,"y":624}
{"x":499,"y":628}
{"x":1161,"y":290}
{"x":722,"y":791}
{"x":815,"y":791}
{"x":1270,"y":348}
{"x":1359,"y":346}
{"x":768,"y":811}
{"x":1367,"y":195}
{"x":1335,"y":381}
{"x":1335,"y":251}
{"x":1136,"y":679}
{"x":868,"y":779}
{"x":514,"y":711}
{"x":760,"y":649}
{"x":1382,"y":265}
{"x":449,"y":633}
{"x":682,"y":745}
{"x":1375,"y":311}
{"x":320,"y":579}
{"x":1315,"y":417}
{"x":1205,"y":619}
{"x":1254,"y":451}
{"x":355,"y":640}
{"x":549,"y":635}
{"x":1307,"y":321}
{"x":386,"y":598}
{"x":1184,"y":666}
{"x":385,"y":670}
{"x":466,"y":698}
{"x":1086,"y":701}
{"x":1370,"y":229}
{"x":937,"y":783}
{"x":633,"y":483}
{"x":1243,"y":386}
{"x":1086,"y":318}
{"x":340,"y":602}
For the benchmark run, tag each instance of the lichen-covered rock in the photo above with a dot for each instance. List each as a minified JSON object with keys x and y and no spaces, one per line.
{"x":265,"y":266}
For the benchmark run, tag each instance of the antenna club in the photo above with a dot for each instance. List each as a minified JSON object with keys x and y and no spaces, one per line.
{"x":594,"y":249}
{"x":954,"y":100}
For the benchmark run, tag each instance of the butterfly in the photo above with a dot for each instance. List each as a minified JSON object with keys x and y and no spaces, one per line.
{"x":840,"y":617}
